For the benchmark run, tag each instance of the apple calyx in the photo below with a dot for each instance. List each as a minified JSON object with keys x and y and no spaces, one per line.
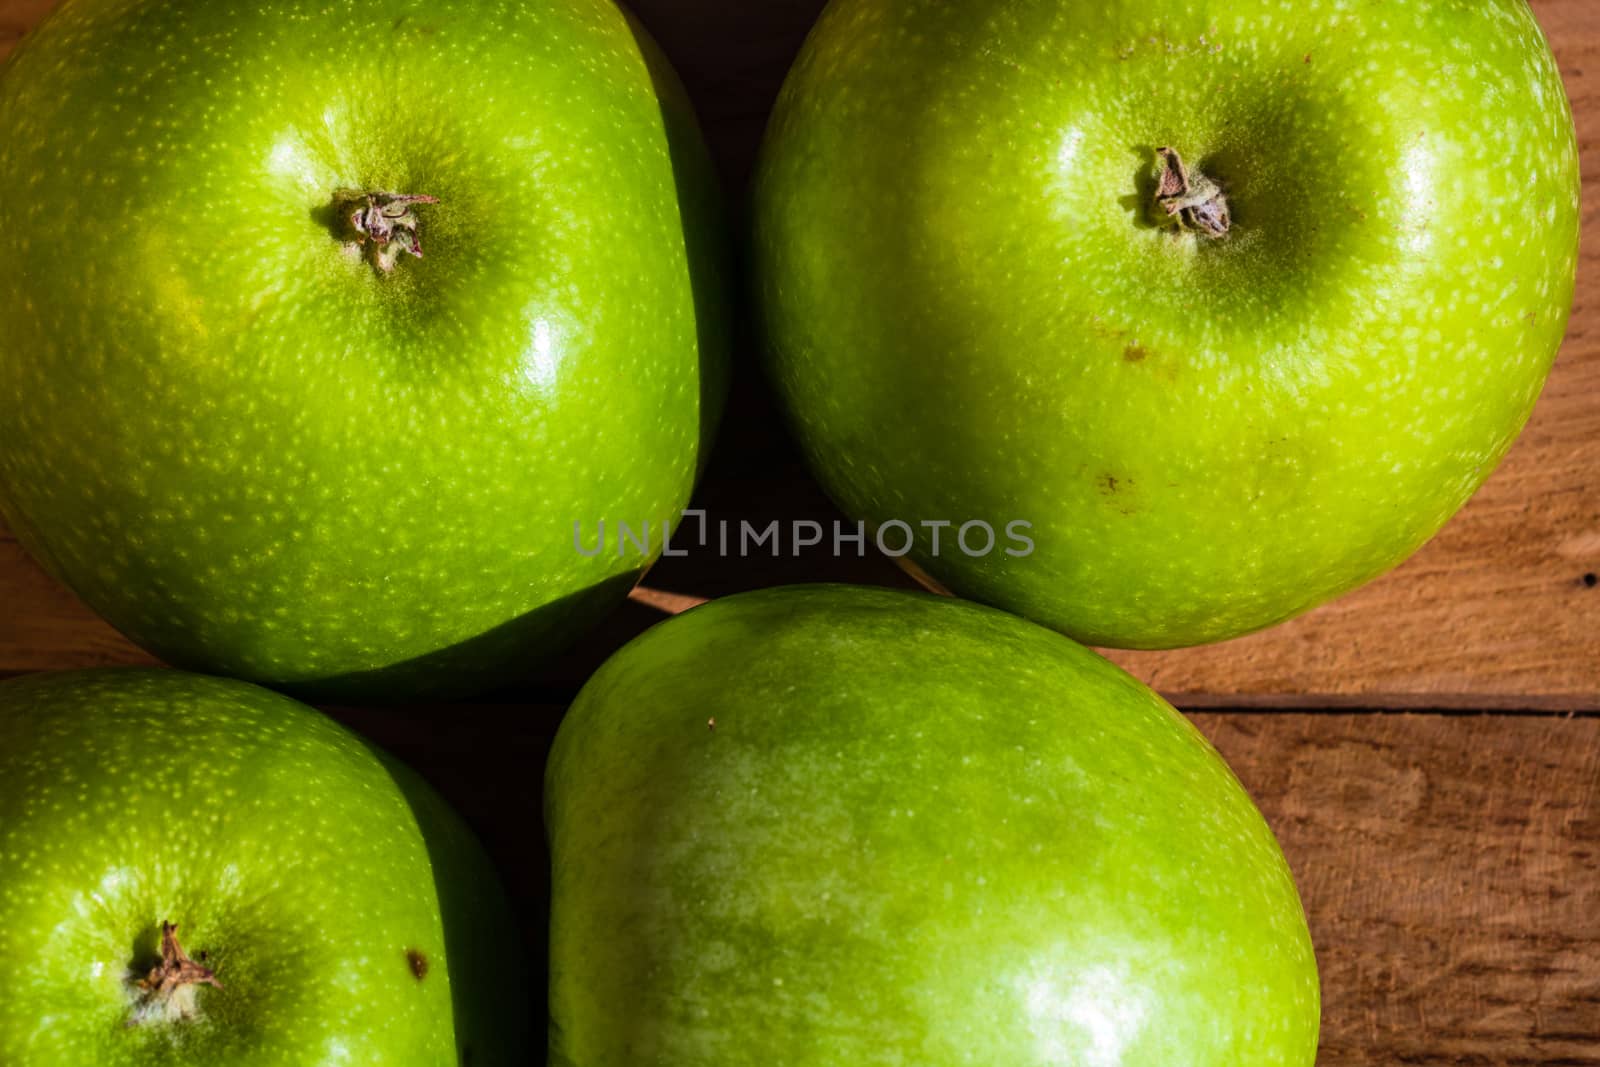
{"x":386,"y":224}
{"x":1193,"y":201}
{"x":168,"y":991}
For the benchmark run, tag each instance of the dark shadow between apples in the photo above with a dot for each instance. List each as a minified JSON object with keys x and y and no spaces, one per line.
{"x":509,"y":653}
{"x":498,"y":986}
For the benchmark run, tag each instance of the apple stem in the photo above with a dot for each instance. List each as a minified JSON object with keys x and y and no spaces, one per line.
{"x":168,"y":990}
{"x":1192,"y":200}
{"x":386,"y":224}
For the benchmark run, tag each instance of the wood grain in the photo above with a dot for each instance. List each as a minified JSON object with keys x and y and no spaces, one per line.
{"x":1451,"y":869}
{"x":18,"y":17}
{"x":1494,"y":613}
{"x":1450,"y":865}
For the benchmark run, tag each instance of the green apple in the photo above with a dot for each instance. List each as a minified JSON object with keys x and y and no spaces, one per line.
{"x":831,"y":826}
{"x":202,"y":872}
{"x":1235,"y":303}
{"x":323,"y":322}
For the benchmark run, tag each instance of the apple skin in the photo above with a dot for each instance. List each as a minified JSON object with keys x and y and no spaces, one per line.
{"x":971,"y":315}
{"x":314,"y":870}
{"x":840,"y":826}
{"x":256,"y":455}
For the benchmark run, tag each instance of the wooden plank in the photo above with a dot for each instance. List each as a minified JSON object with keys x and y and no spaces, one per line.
{"x":1494,"y":613}
{"x":44,"y":627}
{"x":1451,"y":869}
{"x":1450,"y":865}
{"x":18,"y":17}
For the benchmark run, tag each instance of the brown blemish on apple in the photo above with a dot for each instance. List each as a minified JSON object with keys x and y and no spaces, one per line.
{"x":1135,"y":353}
{"x":1118,"y":491}
{"x":418,"y":964}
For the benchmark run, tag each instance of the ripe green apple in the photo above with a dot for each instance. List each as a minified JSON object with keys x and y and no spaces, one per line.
{"x":840,"y":826}
{"x":323,"y":322}
{"x":1235,"y":303}
{"x":199,"y":871}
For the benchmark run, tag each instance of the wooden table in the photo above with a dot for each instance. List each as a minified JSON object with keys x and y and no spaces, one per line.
{"x":1449,"y":854}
